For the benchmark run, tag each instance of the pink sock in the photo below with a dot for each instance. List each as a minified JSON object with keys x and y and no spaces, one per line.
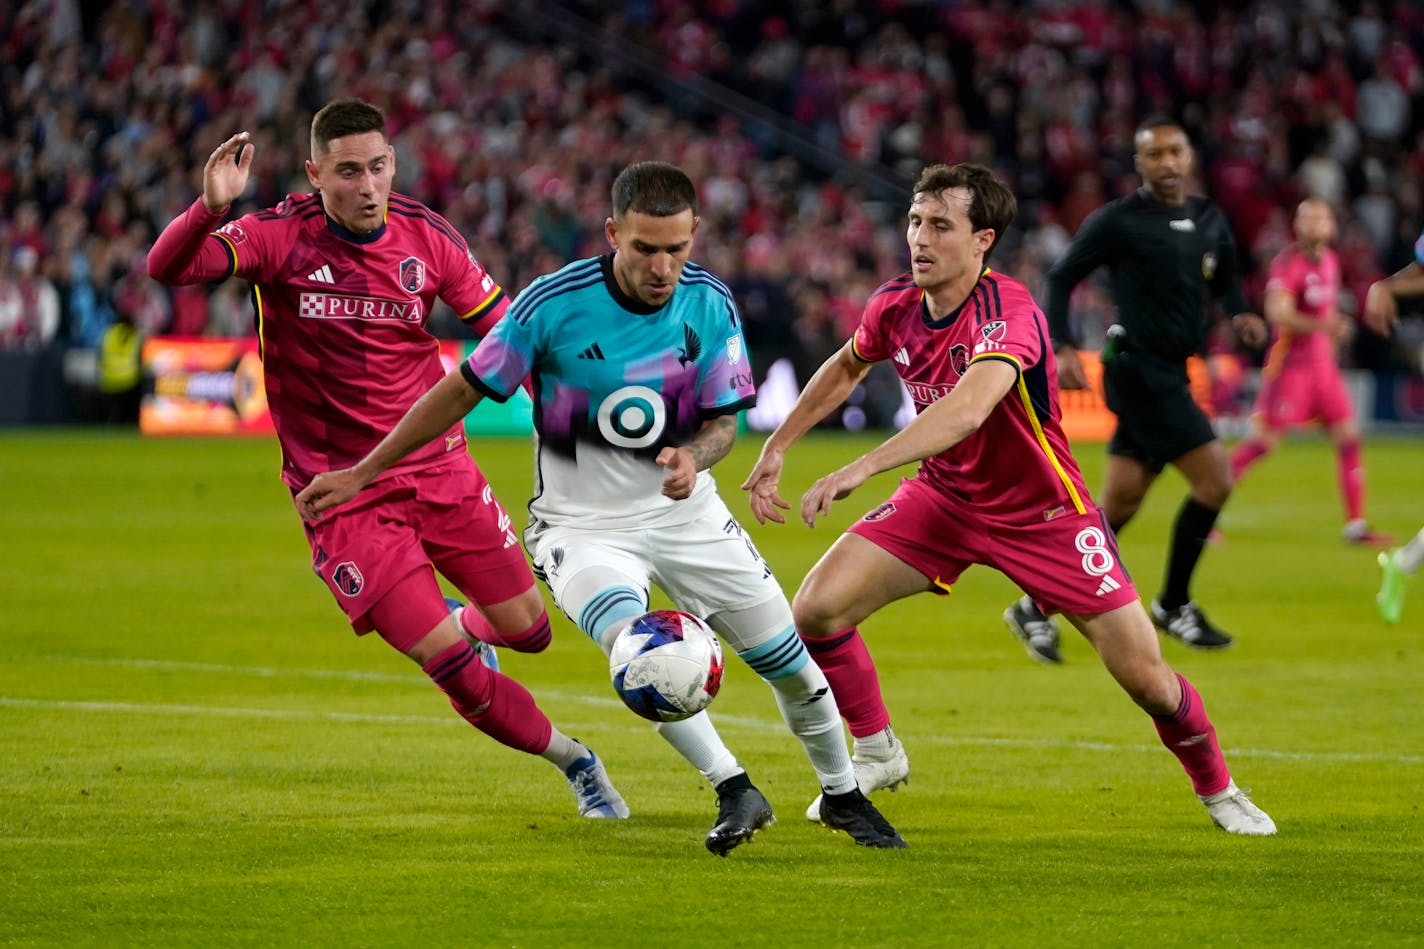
{"x":1189,"y":735}
{"x":534,"y":639}
{"x":1246,"y":454}
{"x":494,"y":703}
{"x":1352,"y":480}
{"x":854,"y":681}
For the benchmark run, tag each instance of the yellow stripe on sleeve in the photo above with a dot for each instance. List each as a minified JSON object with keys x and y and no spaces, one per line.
{"x":485,"y":303}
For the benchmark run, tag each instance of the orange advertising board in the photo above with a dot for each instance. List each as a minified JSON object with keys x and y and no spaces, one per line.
{"x":200,"y":386}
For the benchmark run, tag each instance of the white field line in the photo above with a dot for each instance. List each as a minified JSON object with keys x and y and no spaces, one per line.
{"x":757,"y":724}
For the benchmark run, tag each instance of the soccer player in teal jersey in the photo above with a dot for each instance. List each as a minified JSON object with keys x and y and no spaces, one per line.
{"x":639,"y":367}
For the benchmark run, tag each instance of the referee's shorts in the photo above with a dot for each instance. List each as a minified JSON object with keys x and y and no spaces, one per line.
{"x":1158,"y":421}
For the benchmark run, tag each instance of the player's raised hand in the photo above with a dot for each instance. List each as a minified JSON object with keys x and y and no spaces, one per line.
{"x":761,"y":487}
{"x":326,"y":491}
{"x":681,"y":475}
{"x":1070,"y":369}
{"x":225,"y":174}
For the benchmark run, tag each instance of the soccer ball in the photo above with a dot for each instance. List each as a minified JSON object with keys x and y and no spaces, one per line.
{"x":666,"y":665}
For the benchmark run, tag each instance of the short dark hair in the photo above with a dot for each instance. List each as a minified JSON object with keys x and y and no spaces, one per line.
{"x":342,"y":117}
{"x":1156,"y":122}
{"x":993,"y":205}
{"x":655,"y":188}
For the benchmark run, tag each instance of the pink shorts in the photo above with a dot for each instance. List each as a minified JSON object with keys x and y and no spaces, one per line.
{"x":1296,"y":395}
{"x":446,"y":516}
{"x":1068,"y":564}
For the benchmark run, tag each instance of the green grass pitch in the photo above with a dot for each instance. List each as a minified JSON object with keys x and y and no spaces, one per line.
{"x":194,"y":750}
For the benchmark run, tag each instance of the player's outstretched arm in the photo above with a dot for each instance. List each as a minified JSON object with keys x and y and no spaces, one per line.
{"x":183,"y":254}
{"x":938,"y":428}
{"x":827,"y":389}
{"x":448,"y":401}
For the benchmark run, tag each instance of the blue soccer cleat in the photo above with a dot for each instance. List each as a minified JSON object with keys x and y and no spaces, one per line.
{"x":595,"y":793}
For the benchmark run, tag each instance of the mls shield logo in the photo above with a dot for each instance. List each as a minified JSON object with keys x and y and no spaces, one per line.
{"x":347,"y":578}
{"x":412,"y":274}
{"x":734,"y":349}
{"x":993,"y":332}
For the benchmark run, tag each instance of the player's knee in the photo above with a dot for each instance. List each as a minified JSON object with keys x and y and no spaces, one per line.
{"x":1212,"y":492}
{"x":535,"y":638}
{"x":813,"y":614}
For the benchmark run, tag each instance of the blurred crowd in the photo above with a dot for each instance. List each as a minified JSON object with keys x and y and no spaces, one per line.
{"x":111,"y":109}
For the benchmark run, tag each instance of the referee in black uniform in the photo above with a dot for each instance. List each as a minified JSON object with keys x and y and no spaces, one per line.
{"x":1169,"y":255}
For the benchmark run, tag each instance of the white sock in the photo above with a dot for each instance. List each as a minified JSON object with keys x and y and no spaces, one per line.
{"x":697,"y":741}
{"x":563,"y":751}
{"x":1408,"y":557}
{"x":879,"y":745}
{"x":809,"y":708}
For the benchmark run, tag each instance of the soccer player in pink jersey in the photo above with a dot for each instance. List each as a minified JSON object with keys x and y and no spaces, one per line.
{"x":996,"y":485}
{"x":343,"y":281}
{"x":1301,"y":380}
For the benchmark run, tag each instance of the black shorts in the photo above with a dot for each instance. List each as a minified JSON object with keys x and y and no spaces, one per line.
{"x":1158,"y":421}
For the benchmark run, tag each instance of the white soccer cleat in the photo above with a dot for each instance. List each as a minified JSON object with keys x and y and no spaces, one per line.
{"x":874,"y":771}
{"x":1233,"y":812}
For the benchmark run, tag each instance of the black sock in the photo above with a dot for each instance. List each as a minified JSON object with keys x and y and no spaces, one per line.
{"x":734,"y":783}
{"x":1189,"y":533}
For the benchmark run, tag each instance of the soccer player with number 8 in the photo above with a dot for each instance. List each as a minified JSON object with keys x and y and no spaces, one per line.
{"x":996,"y":485}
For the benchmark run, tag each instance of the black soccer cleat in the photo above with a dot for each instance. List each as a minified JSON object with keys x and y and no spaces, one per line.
{"x":1038,"y":633}
{"x":1188,"y":623}
{"x":853,"y":813}
{"x":741,"y":812}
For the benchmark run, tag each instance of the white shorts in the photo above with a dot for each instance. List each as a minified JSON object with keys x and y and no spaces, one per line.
{"x":705,"y":566}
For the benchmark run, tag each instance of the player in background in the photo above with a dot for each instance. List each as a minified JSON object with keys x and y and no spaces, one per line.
{"x":1301,"y":380}
{"x":1169,"y":254}
{"x":1381,"y":315}
{"x":996,"y":484}
{"x":343,"y":281}
{"x":639,"y":370}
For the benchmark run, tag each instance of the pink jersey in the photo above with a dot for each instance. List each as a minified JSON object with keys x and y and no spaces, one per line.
{"x":1315,"y":285}
{"x":1017,"y":465}
{"x":341,"y":318}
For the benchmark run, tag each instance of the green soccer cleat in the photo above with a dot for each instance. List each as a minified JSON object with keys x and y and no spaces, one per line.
{"x":1390,"y":598}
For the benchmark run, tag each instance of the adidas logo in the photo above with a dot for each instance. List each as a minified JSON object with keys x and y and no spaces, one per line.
{"x":902,"y":357}
{"x":322,"y":275}
{"x":593,"y":352}
{"x":1108,"y":585}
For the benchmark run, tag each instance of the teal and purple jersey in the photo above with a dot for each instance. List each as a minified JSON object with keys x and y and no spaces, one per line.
{"x":614,"y":382}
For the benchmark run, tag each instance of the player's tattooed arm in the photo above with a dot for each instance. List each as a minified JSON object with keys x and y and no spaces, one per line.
{"x":709,"y":446}
{"x":713,"y":441}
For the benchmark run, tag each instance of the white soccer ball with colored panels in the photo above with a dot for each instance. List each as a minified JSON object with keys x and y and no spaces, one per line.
{"x":666,"y":665}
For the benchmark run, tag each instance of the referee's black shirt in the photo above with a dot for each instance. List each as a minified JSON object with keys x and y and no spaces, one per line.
{"x":1167,"y":262}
